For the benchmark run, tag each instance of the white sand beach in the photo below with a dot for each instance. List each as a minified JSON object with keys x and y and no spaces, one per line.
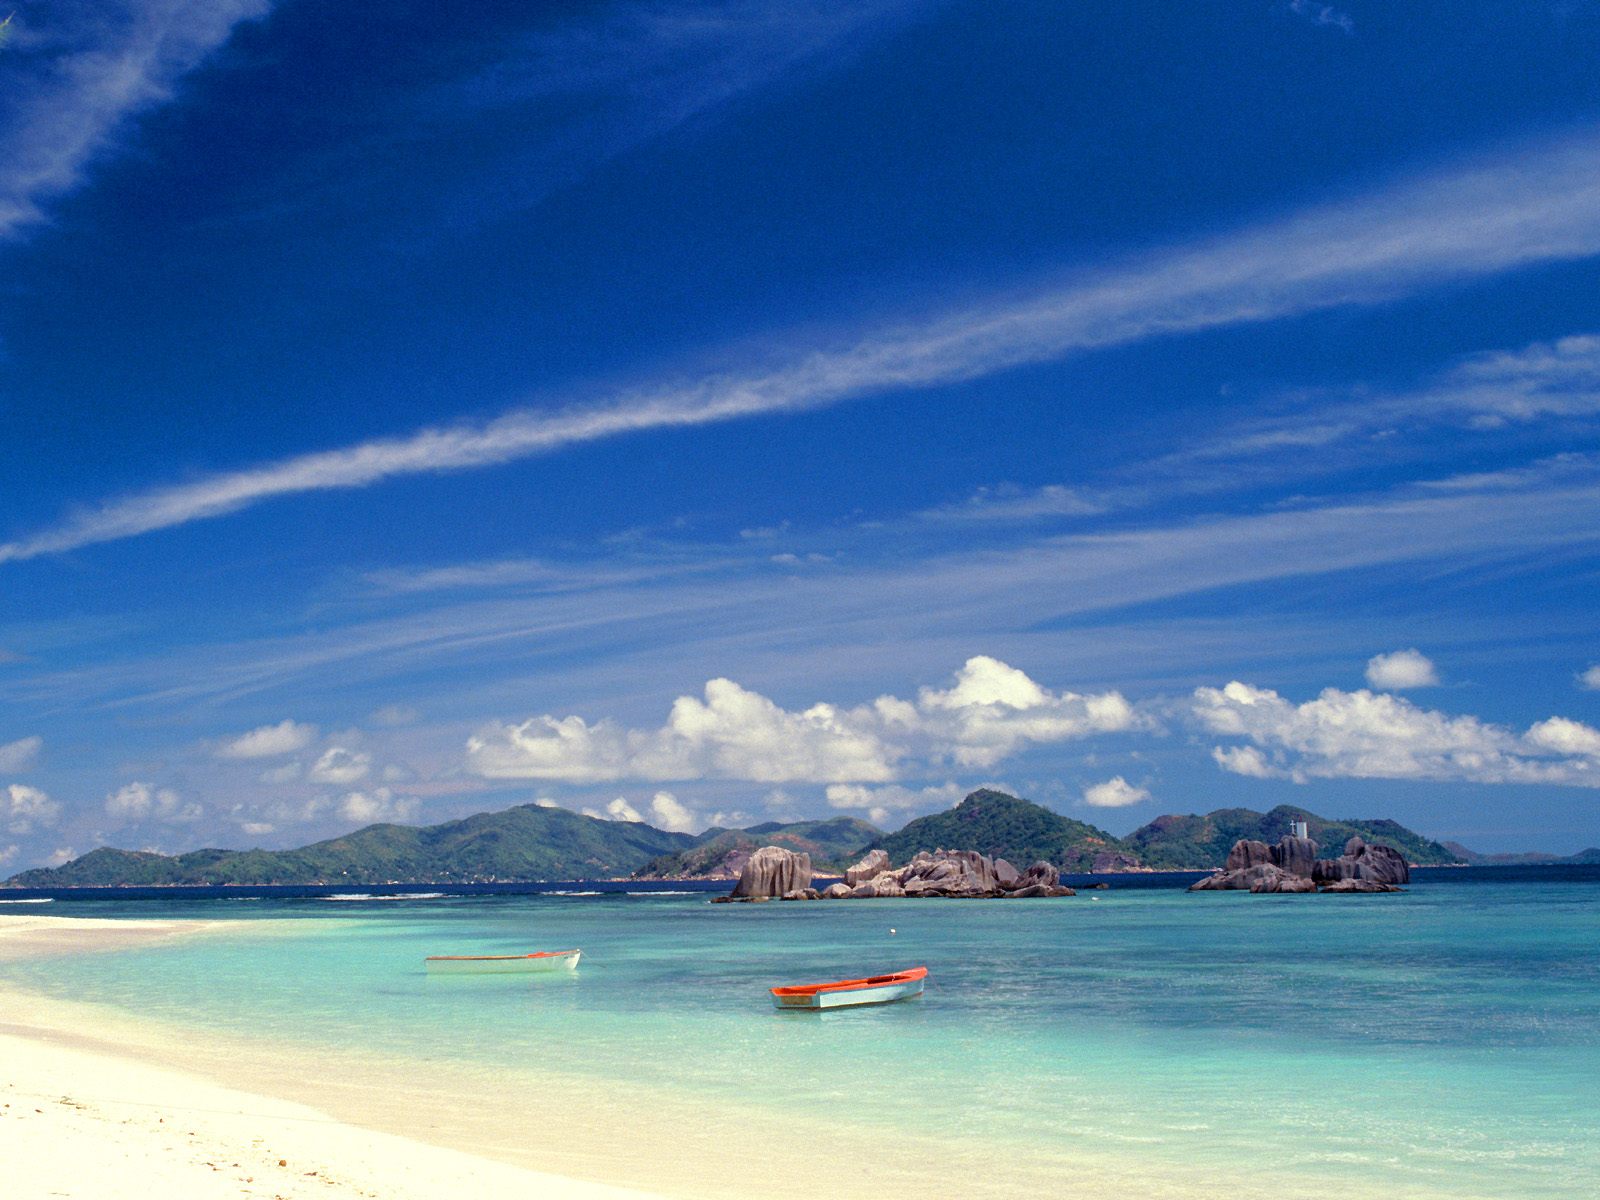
{"x":84,"y":1122}
{"x":34,"y":936}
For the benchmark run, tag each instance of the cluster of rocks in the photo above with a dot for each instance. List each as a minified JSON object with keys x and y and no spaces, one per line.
{"x":775,"y":873}
{"x":1293,"y":866}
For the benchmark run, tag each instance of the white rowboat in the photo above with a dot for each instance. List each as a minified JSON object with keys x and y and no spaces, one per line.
{"x":502,"y":964}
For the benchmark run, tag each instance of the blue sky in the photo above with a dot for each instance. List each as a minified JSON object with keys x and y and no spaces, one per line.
{"x":725,"y":411}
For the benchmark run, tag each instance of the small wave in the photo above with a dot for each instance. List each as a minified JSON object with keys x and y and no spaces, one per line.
{"x":665,"y":893}
{"x":31,"y":900}
{"x":370,"y":898}
{"x":574,"y":893}
{"x":241,"y":899}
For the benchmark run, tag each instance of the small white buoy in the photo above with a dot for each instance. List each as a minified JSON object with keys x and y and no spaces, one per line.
{"x":891,"y":931}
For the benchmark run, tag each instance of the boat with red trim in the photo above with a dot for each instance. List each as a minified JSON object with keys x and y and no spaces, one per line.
{"x":875,"y":989}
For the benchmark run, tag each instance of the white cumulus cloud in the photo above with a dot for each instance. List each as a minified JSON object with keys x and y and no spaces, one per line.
{"x":668,"y":812}
{"x":892,"y":802}
{"x":138,"y":801}
{"x":1400,"y":670}
{"x":377,"y":804}
{"x":270,"y":741}
{"x":1561,"y":736}
{"x":732,"y":733}
{"x":20,"y":754}
{"x":893,"y":797}
{"x":1590,"y":679}
{"x":1370,"y":735}
{"x":618,"y":810}
{"x":992,"y":710}
{"x":339,"y":765}
{"x":25,"y":808}
{"x":1245,"y":760}
{"x":1115,"y":792}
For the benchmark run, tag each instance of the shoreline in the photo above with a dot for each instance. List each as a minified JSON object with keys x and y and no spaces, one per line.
{"x":86,"y":1106}
{"x":662,"y":1131}
{"x":569,"y":1135}
{"x":37,"y":935}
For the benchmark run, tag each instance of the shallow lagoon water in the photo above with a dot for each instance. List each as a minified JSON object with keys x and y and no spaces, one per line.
{"x":1442,"y":1042}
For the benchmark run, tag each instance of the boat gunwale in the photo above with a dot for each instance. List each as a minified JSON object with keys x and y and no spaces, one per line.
{"x":911,"y":975}
{"x":500,"y":957}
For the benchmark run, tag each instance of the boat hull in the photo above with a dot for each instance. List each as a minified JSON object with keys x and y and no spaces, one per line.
{"x":504,"y":964}
{"x":826,"y":1000}
{"x":849,"y":993}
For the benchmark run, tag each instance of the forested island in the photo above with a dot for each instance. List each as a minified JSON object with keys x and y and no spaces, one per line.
{"x":532,"y":843}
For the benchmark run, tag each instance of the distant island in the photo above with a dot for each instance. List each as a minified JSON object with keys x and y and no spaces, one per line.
{"x":1583,"y":858}
{"x":533,"y":843}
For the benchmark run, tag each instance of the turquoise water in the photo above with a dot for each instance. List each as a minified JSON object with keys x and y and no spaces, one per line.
{"x":1445,"y":1041}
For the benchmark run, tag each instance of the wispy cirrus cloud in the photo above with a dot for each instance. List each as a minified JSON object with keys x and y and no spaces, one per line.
{"x":572,"y":91}
{"x":636,"y":72}
{"x":1540,"y":204}
{"x":1324,"y":15}
{"x":1008,"y":502}
{"x":74,"y":74}
{"x":1547,"y":381}
{"x":762,"y":621}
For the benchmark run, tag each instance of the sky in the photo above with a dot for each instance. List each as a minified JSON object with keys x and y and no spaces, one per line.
{"x":718,"y":411}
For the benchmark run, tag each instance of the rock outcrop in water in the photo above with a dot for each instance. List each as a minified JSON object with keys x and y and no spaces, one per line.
{"x":1293,"y":866}
{"x":773,"y":871}
{"x":958,"y":874}
{"x":872,"y":864}
{"x":1364,"y":863}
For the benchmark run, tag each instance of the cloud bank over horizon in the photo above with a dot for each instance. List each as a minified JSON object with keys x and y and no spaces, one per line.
{"x":991,"y":711}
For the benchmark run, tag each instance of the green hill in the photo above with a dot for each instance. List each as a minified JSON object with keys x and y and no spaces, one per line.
{"x":1003,"y":826}
{"x":1203,"y":841}
{"x":531,"y":844}
{"x":721,"y":852}
{"x":528,"y":843}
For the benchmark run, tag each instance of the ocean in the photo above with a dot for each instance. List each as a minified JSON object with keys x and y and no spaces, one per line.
{"x":1138,"y":1041}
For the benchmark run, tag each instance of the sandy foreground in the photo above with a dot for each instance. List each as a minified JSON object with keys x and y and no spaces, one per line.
{"x":29,"y":936}
{"x":86,"y":1123}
